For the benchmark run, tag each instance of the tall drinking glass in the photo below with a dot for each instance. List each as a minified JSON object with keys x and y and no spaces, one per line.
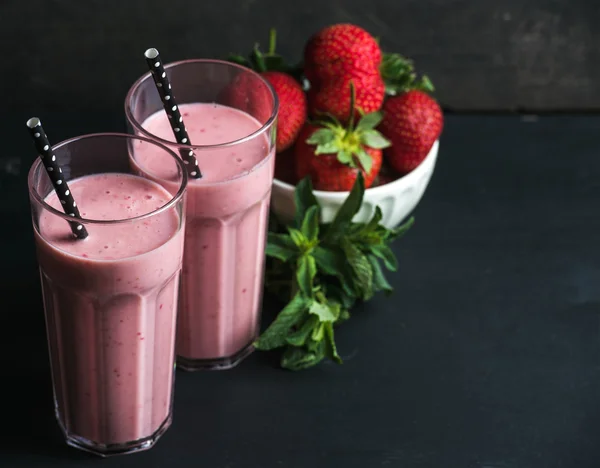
{"x":229,"y":112}
{"x":110,"y":300}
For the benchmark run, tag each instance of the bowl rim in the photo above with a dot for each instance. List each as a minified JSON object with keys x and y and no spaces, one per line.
{"x":415,"y":173}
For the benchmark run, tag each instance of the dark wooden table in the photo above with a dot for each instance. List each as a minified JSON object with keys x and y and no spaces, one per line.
{"x":487,"y":356}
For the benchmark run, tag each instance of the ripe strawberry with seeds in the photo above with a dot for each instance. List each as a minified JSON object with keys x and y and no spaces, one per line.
{"x":340,"y":50}
{"x":385,"y":176}
{"x":292,"y":108}
{"x":332,"y":154}
{"x":334,"y":58}
{"x":334,"y":97}
{"x":412,"y":121}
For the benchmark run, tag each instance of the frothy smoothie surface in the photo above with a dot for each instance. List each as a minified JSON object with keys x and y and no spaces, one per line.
{"x":112,"y":197}
{"x":207,"y":124}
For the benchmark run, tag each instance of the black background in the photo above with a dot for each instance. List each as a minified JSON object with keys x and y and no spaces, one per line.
{"x":482,"y":54}
{"x":488,"y":354}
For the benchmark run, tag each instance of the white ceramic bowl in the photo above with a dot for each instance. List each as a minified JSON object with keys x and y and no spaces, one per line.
{"x":396,"y":199}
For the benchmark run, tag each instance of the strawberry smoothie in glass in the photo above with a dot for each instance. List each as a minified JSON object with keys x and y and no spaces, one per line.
{"x":111,"y":299}
{"x":229,"y":112}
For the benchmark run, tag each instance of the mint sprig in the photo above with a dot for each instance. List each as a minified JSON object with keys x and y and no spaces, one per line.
{"x":321,"y":271}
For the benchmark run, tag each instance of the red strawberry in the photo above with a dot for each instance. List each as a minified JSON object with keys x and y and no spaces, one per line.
{"x":341,"y":50}
{"x":335,"y":57}
{"x":285,"y":166}
{"x":301,"y":150}
{"x":292,"y":107}
{"x":385,"y":177}
{"x":328,"y":173}
{"x":333,"y":97}
{"x":331,"y":154}
{"x":412,"y":121}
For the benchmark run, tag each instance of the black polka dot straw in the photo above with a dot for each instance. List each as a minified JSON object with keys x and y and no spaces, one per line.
{"x":56,"y":176}
{"x":172,"y":109}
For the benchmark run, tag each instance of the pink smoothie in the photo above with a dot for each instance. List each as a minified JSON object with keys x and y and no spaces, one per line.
{"x":227,"y":213}
{"x":111,"y":304}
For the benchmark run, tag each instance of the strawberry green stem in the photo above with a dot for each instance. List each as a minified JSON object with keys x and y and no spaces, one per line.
{"x":352,"y":104}
{"x":272,"y":41}
{"x":398,"y":73}
{"x":257,"y":60}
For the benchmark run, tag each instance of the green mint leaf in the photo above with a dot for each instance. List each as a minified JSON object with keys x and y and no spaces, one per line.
{"x":347,"y":284}
{"x":297,"y":237}
{"x":307,"y":269}
{"x":336,"y":294}
{"x":336,"y":309}
{"x":312,"y":266}
{"x":365,"y":160}
{"x":304,"y":198}
{"x":371,"y":238}
{"x":398,"y":232}
{"x":310,"y":224}
{"x":282,"y":253}
{"x":275,"y":335}
{"x":330,"y":346}
{"x":374,"y":139}
{"x":344,"y":315}
{"x":385,"y":253}
{"x":312,"y":345}
{"x":317,"y":335}
{"x":300,"y":358}
{"x":369,"y":121}
{"x":325,"y":312}
{"x":354,"y":229}
{"x":361,"y":267}
{"x":282,"y":240}
{"x":344,"y":216}
{"x":321,"y":137}
{"x":281,"y":246}
{"x":330,"y":260}
{"x":373,"y":222}
{"x":371,"y":233}
{"x":380,"y":282}
{"x":299,"y":337}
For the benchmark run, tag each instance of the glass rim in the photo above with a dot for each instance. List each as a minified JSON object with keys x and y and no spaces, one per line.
{"x":138,"y":126}
{"x":167,"y":206}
